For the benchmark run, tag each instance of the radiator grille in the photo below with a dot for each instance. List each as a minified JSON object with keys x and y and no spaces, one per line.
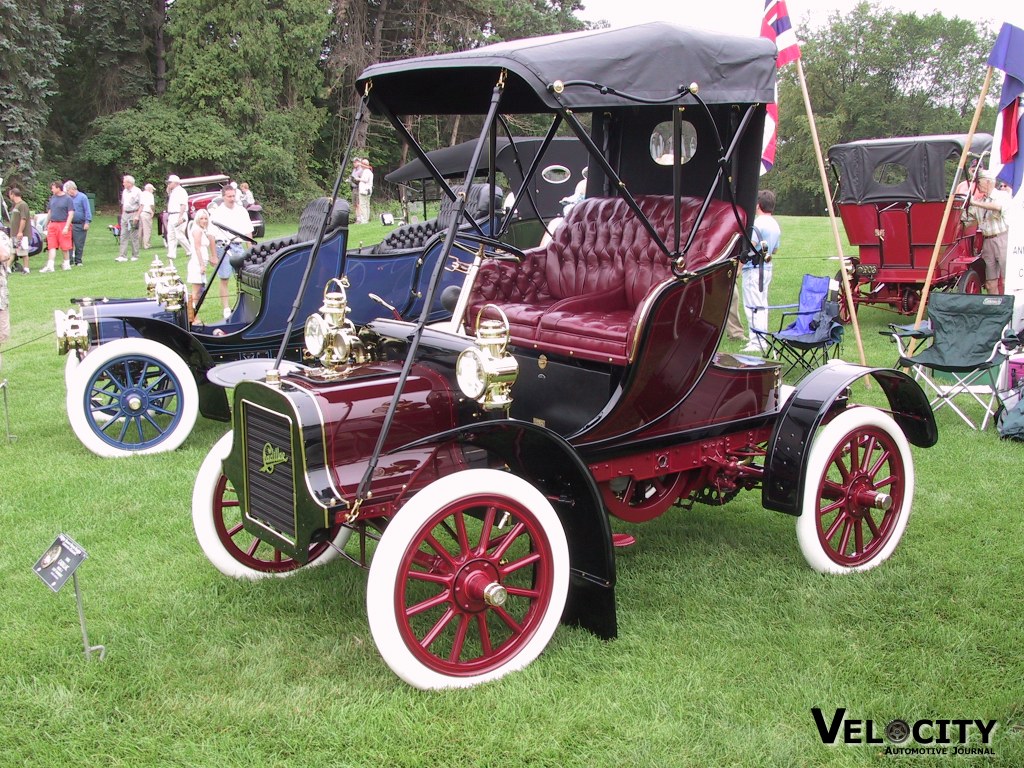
{"x":269,"y":469}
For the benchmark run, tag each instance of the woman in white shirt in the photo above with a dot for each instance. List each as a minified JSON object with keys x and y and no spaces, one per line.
{"x":202,"y":251}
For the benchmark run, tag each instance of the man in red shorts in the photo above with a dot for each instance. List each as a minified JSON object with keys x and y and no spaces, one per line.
{"x":60,"y":214}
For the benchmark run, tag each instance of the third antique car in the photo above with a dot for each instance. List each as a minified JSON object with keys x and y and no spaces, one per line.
{"x":473,"y":466}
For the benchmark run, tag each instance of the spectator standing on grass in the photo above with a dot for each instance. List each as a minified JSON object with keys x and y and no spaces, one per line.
{"x":21,"y":226}
{"x":177,"y":216}
{"x":988,"y":208}
{"x":146,"y":218}
{"x":757,"y":277}
{"x":201,"y":256}
{"x":6,"y":257}
{"x":236,"y":224}
{"x":131,"y":211}
{"x":365,"y":191}
{"x":353,"y":180}
{"x":59,"y":217}
{"x":80,"y":225}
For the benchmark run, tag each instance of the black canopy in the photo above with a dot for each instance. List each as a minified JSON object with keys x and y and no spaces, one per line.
{"x":650,"y":61}
{"x":905,"y":168}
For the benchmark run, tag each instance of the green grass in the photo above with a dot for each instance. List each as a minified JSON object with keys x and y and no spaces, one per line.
{"x":726,"y":638}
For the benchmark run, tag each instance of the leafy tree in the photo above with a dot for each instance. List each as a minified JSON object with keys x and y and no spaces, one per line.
{"x":31,"y":44}
{"x":875,"y":73}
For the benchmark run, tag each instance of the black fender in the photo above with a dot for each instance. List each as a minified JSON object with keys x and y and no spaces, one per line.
{"x":546,"y":460}
{"x":788,"y":448}
{"x":213,"y":400}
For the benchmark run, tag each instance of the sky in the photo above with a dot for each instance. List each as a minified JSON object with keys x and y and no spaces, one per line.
{"x":743,"y":17}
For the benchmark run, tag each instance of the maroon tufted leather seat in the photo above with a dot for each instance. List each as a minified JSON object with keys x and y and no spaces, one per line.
{"x":582,"y":295}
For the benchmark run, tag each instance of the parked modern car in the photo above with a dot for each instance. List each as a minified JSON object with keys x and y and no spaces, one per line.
{"x":476,"y":463}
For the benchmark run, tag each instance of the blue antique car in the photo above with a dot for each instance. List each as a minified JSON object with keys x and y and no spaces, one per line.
{"x":138,"y":373}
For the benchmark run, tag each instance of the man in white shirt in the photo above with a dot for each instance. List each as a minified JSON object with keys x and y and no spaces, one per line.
{"x":365,"y":190}
{"x":177,"y":216}
{"x":146,"y":219}
{"x":228,"y":224}
{"x":131,"y":209}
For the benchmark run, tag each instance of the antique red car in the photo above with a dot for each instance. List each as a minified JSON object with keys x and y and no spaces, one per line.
{"x":891,"y":196}
{"x":473,"y":466}
{"x":205,"y":192}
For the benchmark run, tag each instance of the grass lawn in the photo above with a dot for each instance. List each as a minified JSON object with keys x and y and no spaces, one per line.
{"x":727,"y":640}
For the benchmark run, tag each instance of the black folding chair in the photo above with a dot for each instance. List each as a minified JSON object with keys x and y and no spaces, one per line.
{"x":813,"y":334}
{"x":970,"y":338}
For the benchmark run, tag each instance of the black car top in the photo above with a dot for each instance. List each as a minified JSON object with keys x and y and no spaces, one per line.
{"x":915,"y":168}
{"x":656,"y":61}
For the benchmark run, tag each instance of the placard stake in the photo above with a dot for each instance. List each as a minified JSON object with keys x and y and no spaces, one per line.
{"x":89,"y":649}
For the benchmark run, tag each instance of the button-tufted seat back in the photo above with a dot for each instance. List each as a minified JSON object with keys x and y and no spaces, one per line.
{"x":582,"y":294}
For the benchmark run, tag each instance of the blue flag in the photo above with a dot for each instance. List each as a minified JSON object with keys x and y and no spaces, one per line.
{"x":1008,"y":56}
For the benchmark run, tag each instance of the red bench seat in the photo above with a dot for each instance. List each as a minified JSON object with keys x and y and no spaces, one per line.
{"x":583,"y":294}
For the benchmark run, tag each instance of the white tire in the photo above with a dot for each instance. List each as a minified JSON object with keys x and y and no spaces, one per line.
{"x":485,"y":606}
{"x":858,"y":462}
{"x":132,"y":396}
{"x":216,"y":517}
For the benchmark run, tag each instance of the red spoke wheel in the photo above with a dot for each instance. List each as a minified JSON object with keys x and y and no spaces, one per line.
{"x":469,"y":580}
{"x":638,"y":501}
{"x":857,"y":492}
{"x":217,"y":519}
{"x":972,"y":280}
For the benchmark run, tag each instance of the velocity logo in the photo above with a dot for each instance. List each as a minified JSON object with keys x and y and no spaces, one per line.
{"x":957,"y":736}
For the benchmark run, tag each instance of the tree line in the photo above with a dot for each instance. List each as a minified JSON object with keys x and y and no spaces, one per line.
{"x":264,"y":89}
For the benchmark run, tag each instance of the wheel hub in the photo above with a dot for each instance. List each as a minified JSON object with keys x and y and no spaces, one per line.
{"x":477,"y":587}
{"x":863,"y":497}
{"x":133,"y":401}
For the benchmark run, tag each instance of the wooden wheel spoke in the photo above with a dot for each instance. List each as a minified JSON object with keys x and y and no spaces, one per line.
{"x":509,"y":621}
{"x":433,"y":577}
{"x":459,"y":641}
{"x":431,"y":602}
{"x":832,"y":490}
{"x":439,"y":548}
{"x":485,"y":634}
{"x":508,"y":539}
{"x":858,"y":535}
{"x":438,"y":628}
{"x":844,"y":539}
{"x":831,"y":532}
{"x":485,"y":530}
{"x":510,"y":568}
{"x":883,"y":458}
{"x":873,"y":526}
{"x":532,"y":594}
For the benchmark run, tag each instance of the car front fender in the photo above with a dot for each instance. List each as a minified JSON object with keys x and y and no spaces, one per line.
{"x":803,"y":413}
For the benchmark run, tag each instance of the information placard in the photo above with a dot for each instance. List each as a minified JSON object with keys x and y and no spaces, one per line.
{"x":59,"y":562}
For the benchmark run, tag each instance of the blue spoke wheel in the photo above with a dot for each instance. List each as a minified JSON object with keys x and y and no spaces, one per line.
{"x":132,"y":396}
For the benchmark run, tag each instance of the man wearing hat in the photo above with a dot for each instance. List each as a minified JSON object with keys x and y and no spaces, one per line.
{"x":988,"y":208}
{"x":177,"y":216}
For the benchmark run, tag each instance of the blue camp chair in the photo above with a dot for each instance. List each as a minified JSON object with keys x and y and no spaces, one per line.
{"x":969,"y":337}
{"x":810,"y":334}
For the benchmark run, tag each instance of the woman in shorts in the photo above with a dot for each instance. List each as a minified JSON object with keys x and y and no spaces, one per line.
{"x":202,"y":251}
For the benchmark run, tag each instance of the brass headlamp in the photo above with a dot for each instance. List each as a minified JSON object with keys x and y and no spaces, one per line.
{"x":72,"y":331}
{"x":486,"y":372}
{"x":329,"y":335}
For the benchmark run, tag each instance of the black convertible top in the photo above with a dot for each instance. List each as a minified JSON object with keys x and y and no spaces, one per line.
{"x":903,"y":168}
{"x":651,"y":61}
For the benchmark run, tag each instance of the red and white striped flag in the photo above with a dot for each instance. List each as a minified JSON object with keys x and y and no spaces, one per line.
{"x":776,"y":27}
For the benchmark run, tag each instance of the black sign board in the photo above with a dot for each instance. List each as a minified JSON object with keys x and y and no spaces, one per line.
{"x":59,"y":562}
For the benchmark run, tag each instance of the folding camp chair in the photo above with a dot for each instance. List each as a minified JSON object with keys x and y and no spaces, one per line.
{"x":970,"y":338}
{"x":813,"y":334}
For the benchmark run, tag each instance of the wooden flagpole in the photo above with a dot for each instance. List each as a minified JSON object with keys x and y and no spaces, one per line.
{"x":831,"y":211}
{"x":949,"y":207}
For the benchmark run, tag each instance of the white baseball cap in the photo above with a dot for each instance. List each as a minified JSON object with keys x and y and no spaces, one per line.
{"x":173,"y":179}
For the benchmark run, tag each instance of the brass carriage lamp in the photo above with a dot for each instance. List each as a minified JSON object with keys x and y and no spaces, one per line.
{"x":486,"y":372}
{"x":330,"y":336}
{"x":72,"y":330}
{"x":169,"y":289}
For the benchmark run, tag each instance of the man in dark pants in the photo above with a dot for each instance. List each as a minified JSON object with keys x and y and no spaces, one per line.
{"x":80,"y":224}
